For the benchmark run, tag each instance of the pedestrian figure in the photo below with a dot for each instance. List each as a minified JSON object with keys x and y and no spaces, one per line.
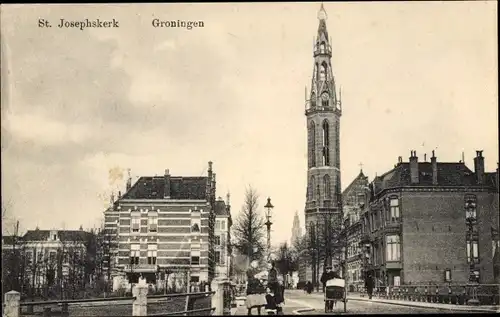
{"x":309,"y":287}
{"x":369,"y":285}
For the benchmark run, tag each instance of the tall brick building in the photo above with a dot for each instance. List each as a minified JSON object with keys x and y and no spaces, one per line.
{"x":163,"y":227}
{"x":355,"y":199}
{"x":433,"y":222}
{"x":323,"y":208}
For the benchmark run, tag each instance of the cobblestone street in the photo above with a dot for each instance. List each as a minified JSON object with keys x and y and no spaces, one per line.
{"x":315,"y":301}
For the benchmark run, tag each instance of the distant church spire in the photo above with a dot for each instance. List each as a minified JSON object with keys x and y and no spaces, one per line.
{"x":296,"y":230}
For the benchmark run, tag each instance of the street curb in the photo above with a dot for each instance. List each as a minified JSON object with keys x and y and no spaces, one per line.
{"x":468,"y":309}
{"x":302,"y":310}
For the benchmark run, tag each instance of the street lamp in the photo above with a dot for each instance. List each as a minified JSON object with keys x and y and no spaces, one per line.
{"x":269,"y":208}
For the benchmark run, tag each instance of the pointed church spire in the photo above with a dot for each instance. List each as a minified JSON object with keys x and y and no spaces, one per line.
{"x":322,"y":13}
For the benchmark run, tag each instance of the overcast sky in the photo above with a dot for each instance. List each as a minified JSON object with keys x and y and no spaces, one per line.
{"x":75,"y":104}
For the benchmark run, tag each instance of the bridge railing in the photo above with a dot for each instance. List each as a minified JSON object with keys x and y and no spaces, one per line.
{"x":220,"y":292}
{"x":458,"y":294}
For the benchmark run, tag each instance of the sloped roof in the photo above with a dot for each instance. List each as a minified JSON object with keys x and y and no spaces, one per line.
{"x":449,"y":174}
{"x":148,"y":187}
{"x":63,"y":235}
{"x":221,"y":208}
{"x":360,"y":177}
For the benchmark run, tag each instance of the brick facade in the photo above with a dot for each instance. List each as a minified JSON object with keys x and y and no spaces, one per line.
{"x":418,"y":224}
{"x":164,"y":224}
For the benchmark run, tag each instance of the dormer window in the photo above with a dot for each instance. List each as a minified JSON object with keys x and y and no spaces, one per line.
{"x":195,"y":228}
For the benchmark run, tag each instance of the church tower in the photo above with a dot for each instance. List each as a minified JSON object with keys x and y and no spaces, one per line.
{"x":323,"y":210}
{"x":296,"y":232}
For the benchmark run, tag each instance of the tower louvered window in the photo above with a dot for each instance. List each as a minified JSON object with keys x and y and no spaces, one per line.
{"x":326,"y":143}
{"x":328,"y":188}
{"x":312,"y":144}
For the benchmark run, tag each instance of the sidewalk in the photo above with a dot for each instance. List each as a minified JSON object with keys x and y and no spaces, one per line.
{"x":448,"y":307}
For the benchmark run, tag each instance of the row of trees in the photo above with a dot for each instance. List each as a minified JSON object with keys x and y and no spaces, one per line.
{"x":73,"y":270}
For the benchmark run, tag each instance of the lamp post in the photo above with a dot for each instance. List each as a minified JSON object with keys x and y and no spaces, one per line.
{"x":344,"y":272}
{"x":269,"y":208}
{"x":470,"y":207}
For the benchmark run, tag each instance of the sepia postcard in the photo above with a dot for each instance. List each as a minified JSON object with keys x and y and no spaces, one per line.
{"x":250,"y":158}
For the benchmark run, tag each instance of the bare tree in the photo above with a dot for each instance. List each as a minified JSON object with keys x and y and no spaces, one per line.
{"x":248,"y":229}
{"x":286,"y":262}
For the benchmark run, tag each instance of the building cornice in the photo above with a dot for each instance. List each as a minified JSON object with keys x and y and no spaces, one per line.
{"x":400,"y":189}
{"x":163,"y":201}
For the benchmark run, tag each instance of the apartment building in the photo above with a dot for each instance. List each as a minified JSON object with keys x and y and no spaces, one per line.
{"x":46,"y":258}
{"x":432,"y":222}
{"x":222,"y":245}
{"x":162,"y":228}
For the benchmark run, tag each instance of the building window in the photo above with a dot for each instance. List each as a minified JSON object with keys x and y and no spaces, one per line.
{"x":326,"y":142}
{"x":194,"y":279}
{"x":134,"y":254}
{"x":447,"y":275}
{"x":217,"y":225}
{"x":54,"y":237}
{"x":472,"y":251}
{"x":195,"y":260}
{"x":29,"y":257}
{"x":153,"y":223}
{"x":52,"y":257}
{"x":322,"y":71}
{"x":322,"y":47}
{"x":152,"y":253}
{"x":394,"y":203}
{"x":217,"y":257}
{"x":393,"y":248}
{"x":136,"y":223}
{"x":217,"y":240}
{"x":470,"y":207}
{"x":223,"y":225}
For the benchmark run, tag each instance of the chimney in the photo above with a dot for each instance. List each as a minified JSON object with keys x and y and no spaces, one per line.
{"x":228,"y":196}
{"x":129,"y":181}
{"x":400,"y":160}
{"x":434,"y":169}
{"x":166,"y":190}
{"x":479,"y":167}
{"x":414,"y":167}
{"x":119,"y":194}
{"x":209,"y":182}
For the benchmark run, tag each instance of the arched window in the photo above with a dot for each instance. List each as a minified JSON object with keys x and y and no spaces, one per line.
{"x":327,"y":187}
{"x":322,"y":47}
{"x":326,"y":143}
{"x":312,"y":144}
{"x":312,"y":188}
{"x":322,"y":71}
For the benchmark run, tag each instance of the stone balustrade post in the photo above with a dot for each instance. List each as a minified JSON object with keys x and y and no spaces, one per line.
{"x":217,"y":286}
{"x":12,"y":304}
{"x":140,"y":304}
